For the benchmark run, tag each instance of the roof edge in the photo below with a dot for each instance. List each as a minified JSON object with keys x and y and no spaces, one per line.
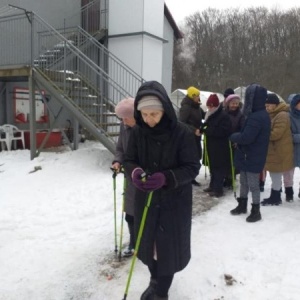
{"x":178,"y":34}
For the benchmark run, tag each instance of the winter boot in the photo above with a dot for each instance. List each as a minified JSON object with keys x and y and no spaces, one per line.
{"x":196,"y":183}
{"x":209,"y":189}
{"x":241,"y":208}
{"x":289,"y":194}
{"x":130,"y":250}
{"x":217,"y":194}
{"x":255,"y":214}
{"x":149,"y":292}
{"x":227,"y":183}
{"x":274,"y":199}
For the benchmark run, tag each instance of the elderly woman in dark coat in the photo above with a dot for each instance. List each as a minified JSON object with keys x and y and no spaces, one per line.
{"x":165,"y":149}
{"x":217,"y":128}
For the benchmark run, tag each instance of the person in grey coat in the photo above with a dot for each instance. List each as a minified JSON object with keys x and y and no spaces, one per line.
{"x":165,"y":150}
{"x":124,"y":111}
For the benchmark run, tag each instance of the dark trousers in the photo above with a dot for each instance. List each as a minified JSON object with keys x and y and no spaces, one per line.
{"x":163,"y":282}
{"x":217,"y":178}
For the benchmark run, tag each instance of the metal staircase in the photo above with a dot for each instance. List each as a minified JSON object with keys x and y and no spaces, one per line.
{"x":77,"y":70}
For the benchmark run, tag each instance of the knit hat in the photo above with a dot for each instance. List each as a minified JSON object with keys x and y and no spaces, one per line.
{"x":192,"y":92}
{"x":228,"y":92}
{"x":150,"y":102}
{"x":213,"y":100}
{"x":272,"y":99}
{"x":231,"y":97}
{"x":125,"y":108}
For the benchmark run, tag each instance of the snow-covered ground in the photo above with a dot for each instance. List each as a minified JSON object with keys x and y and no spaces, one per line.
{"x":57,"y":237}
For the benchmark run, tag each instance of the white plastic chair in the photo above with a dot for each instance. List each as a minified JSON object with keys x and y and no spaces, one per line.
{"x":13,"y":134}
{"x":4,"y":139}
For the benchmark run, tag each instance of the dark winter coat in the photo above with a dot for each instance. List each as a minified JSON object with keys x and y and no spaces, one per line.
{"x":125,"y":132}
{"x":192,"y":114}
{"x":280,"y":152}
{"x":253,"y":139}
{"x":169,"y":147}
{"x":295,"y":127}
{"x":237,"y":119}
{"x":217,"y":131}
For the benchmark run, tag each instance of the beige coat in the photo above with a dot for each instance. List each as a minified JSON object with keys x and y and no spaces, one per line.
{"x":280,"y":151}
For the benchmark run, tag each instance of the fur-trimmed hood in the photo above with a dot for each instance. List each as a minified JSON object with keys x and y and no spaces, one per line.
{"x":255,"y":99}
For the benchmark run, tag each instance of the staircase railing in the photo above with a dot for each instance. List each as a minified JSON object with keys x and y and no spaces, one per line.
{"x":92,"y":16}
{"x":75,"y":77}
{"x":92,"y":48}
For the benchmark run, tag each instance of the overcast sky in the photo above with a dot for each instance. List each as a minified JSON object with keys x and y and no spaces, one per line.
{"x":181,"y":9}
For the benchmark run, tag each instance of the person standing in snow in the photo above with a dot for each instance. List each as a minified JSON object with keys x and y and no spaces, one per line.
{"x":165,"y":150}
{"x":280,"y":152}
{"x":232,"y":106}
{"x":251,"y":150}
{"x":288,"y":176}
{"x":192,"y":114}
{"x":216,"y":156}
{"x":124,"y":111}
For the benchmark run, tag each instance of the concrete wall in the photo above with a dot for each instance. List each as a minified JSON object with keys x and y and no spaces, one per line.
{"x":167,"y":58}
{"x":137,"y":35}
{"x":52,"y":11}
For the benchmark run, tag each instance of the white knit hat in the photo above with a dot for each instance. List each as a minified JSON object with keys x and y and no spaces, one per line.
{"x":150,"y":102}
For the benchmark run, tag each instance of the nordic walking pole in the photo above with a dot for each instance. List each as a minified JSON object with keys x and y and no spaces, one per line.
{"x":206,"y":160}
{"x":122,"y":219}
{"x":115,"y":208}
{"x":232,"y":170}
{"x":138,"y":241}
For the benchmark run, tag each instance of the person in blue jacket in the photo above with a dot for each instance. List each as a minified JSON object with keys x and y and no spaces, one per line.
{"x":251,"y":149}
{"x":295,"y":127}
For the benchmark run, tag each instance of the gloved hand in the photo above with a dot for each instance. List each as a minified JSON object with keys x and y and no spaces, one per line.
{"x":154,"y":181}
{"x":137,"y":179}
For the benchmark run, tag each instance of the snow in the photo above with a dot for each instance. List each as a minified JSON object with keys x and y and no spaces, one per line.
{"x":57,"y":237}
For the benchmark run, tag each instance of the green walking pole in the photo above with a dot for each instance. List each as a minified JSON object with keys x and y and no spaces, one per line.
{"x":232,"y":170}
{"x":122,"y":219}
{"x":138,"y":241}
{"x":115,"y":208}
{"x":206,"y":160}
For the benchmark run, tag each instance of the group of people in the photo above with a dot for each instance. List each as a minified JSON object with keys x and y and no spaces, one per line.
{"x":161,"y":154}
{"x":216,"y":125}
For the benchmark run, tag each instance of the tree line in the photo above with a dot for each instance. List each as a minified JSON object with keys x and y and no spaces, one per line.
{"x":231,"y":48}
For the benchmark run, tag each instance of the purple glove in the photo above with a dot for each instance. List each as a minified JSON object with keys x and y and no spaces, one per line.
{"x":137,"y":179}
{"x":154,"y":182}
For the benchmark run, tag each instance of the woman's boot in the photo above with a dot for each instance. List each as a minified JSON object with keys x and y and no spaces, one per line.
{"x":289,"y":194}
{"x":241,"y":208}
{"x":274,"y":199}
{"x":255,"y":214}
{"x":130,"y":250}
{"x":149,"y":292}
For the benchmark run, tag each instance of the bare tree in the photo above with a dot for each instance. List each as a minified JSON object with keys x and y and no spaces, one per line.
{"x":238,"y":47}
